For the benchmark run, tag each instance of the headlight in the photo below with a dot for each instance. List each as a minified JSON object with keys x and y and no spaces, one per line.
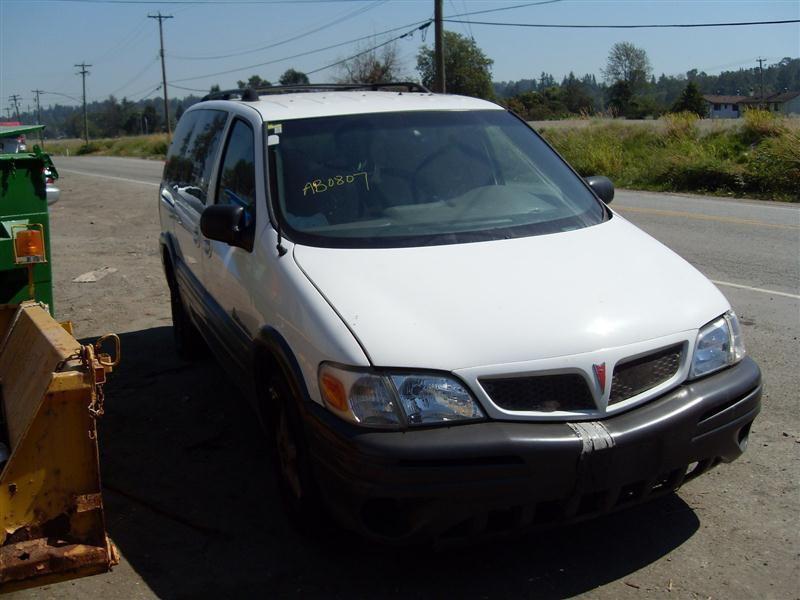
{"x":396,"y":400}
{"x":719,"y":344}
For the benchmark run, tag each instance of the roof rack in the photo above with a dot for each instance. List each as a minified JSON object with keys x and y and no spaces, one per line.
{"x":253,"y":94}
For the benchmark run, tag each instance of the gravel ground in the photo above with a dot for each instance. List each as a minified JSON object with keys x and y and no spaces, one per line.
{"x":193,"y":511}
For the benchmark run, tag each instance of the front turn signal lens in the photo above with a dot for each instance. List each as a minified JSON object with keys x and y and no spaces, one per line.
{"x":333,"y":392}
{"x":29,"y":244}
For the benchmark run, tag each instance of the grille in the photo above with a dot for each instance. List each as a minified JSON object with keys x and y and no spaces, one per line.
{"x":543,"y":393}
{"x":638,"y":375}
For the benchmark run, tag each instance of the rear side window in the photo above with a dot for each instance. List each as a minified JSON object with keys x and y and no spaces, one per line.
{"x":237,"y":177}
{"x":191,"y":155}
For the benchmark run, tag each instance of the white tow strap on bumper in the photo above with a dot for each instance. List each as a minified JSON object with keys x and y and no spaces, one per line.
{"x":593,"y":435}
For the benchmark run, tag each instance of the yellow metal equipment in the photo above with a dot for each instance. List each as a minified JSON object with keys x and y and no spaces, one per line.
{"x":52,"y":525}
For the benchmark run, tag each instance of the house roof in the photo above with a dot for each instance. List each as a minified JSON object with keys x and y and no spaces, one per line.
{"x":779,"y":97}
{"x":724,"y":99}
{"x":783,"y":97}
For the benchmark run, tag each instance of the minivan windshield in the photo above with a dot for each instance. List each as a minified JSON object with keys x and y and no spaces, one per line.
{"x":424,"y":177}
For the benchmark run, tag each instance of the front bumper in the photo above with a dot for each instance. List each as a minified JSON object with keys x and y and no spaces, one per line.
{"x":449,"y":482}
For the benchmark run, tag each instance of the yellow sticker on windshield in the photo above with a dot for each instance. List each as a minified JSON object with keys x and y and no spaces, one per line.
{"x":317,"y":186}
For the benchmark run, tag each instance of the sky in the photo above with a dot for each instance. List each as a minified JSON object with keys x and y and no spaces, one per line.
{"x":42,"y":40}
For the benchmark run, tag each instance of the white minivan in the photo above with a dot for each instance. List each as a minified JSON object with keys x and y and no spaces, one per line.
{"x":445,"y":330}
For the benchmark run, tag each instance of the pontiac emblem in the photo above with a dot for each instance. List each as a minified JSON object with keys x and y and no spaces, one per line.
{"x":600,"y":374}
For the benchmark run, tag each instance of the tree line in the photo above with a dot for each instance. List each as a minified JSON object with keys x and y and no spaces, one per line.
{"x":628,"y":88}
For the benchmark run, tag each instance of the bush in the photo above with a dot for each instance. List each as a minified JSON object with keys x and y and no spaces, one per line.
{"x":89,"y":148}
{"x":699,"y":174}
{"x":759,"y":124}
{"x":591,"y":151}
{"x":774,"y":166}
{"x":159,"y":148}
{"x":682,"y":125}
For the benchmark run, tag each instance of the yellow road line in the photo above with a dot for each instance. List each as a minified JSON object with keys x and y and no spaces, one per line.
{"x":702,"y":217}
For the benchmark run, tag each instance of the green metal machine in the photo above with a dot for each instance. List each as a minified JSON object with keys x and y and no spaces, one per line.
{"x":25,"y":269}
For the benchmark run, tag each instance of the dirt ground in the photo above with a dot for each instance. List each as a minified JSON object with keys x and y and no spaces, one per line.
{"x":192,"y":507}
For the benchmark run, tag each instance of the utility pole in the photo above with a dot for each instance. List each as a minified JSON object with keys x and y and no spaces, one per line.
{"x":761,"y":68}
{"x":438,"y":85}
{"x":161,"y":18}
{"x":14,"y":99}
{"x":39,"y":115}
{"x":83,"y":73}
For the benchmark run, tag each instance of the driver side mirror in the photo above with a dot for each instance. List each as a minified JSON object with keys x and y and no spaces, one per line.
{"x":226,"y":223}
{"x":602,"y":186}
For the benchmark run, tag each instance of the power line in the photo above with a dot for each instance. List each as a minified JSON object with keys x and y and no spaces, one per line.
{"x":491,"y":10}
{"x":188,"y":89}
{"x":648,"y":26}
{"x":394,"y":39}
{"x":326,"y":25}
{"x":135,"y":77}
{"x":60,"y":94}
{"x":469,"y":27}
{"x":301,"y":54}
{"x":198,"y":2}
{"x":141,"y":95}
{"x":123,"y":42}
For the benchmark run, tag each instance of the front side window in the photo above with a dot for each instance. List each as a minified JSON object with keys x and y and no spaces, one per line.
{"x":416,"y":178}
{"x":237,"y":176}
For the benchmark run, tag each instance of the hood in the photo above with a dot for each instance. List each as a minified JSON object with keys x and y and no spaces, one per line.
{"x":465,"y":305}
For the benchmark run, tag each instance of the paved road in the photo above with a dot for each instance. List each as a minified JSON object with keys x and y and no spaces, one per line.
{"x":734,"y":242}
{"x":194,"y":515}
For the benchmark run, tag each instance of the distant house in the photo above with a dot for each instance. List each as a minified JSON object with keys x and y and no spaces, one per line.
{"x":731,"y":107}
{"x":787,"y":103}
{"x":723,"y":107}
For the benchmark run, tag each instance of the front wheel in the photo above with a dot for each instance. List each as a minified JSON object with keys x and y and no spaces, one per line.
{"x":291,"y":460}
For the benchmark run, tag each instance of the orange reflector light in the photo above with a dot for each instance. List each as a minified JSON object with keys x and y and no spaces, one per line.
{"x":29,"y":246}
{"x":333,"y":392}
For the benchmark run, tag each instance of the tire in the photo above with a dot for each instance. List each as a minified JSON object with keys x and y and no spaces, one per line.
{"x":189,"y":344}
{"x":291,"y":459}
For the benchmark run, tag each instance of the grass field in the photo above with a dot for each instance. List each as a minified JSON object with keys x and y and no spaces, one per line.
{"x":139,"y":146}
{"x":756,"y":156}
{"x":703,"y":125}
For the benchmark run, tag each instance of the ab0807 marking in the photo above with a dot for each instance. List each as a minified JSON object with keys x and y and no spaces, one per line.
{"x":318,"y":185}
